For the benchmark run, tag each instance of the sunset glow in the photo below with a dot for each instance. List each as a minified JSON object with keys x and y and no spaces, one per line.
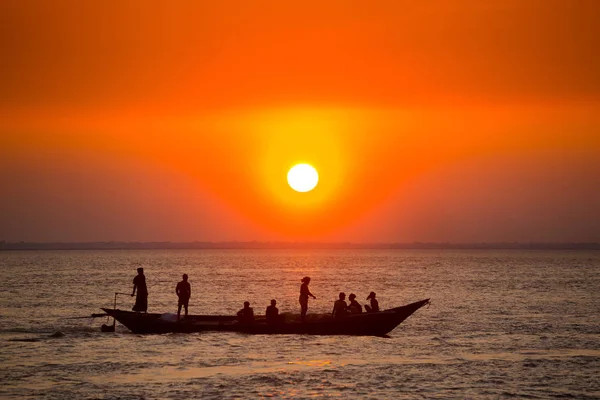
{"x":426,"y":121}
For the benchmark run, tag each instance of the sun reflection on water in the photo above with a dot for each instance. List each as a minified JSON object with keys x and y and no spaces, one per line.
{"x":312,"y":363}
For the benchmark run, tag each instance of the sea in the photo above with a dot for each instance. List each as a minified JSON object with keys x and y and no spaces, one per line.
{"x":508,"y":324}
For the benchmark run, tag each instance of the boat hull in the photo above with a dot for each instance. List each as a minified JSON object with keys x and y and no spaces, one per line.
{"x":366,"y":324}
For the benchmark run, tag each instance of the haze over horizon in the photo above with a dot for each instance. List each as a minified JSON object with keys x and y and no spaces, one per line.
{"x":461,"y":122}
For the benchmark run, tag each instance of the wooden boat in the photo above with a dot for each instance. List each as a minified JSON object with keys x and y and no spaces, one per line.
{"x":371,"y":324}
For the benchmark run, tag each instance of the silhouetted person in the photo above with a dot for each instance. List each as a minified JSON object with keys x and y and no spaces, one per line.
{"x":374,"y":307}
{"x":354,"y":306}
{"x":184,"y":292}
{"x":340,"y":307}
{"x":272,"y":313}
{"x":246,"y":314}
{"x":139,"y":284}
{"x":304,"y":293}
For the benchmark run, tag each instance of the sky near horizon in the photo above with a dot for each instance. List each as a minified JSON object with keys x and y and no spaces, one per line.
{"x":453,"y":121}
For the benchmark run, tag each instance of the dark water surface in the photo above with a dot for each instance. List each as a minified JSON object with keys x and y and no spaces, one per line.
{"x":502,"y":324}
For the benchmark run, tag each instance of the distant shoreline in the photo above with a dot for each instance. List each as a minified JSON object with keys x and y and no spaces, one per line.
{"x":8,"y":246}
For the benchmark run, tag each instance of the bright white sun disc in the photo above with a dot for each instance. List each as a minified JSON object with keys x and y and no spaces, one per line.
{"x":303,"y":178}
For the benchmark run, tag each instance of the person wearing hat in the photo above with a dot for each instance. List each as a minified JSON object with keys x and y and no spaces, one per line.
{"x":139,"y":284}
{"x":184,"y":292}
{"x":374,"y":307}
{"x":354,"y":306}
{"x":304,"y":293}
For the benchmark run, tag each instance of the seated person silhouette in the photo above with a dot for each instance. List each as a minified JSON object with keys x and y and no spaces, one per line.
{"x":340,"y":307}
{"x":246,"y":314}
{"x":272,"y":313}
{"x":354,"y":307}
{"x":374,"y":307}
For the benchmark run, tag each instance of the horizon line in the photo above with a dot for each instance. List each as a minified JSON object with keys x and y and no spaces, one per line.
{"x":293,"y":242}
{"x":272,"y":245}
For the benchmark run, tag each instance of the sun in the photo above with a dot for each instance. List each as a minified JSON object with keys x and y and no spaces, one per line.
{"x":303,"y":177}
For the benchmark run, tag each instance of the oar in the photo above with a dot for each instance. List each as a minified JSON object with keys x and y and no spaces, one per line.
{"x":89,"y":316}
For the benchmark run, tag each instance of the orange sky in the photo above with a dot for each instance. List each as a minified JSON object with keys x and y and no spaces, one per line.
{"x":460,"y":121}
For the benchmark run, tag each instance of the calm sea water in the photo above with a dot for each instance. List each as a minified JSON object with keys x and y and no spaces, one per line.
{"x":502,"y":324}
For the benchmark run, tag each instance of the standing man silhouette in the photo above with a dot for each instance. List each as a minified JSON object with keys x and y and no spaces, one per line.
{"x":304,"y":293}
{"x":184,"y":292}
{"x":139,"y":284}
